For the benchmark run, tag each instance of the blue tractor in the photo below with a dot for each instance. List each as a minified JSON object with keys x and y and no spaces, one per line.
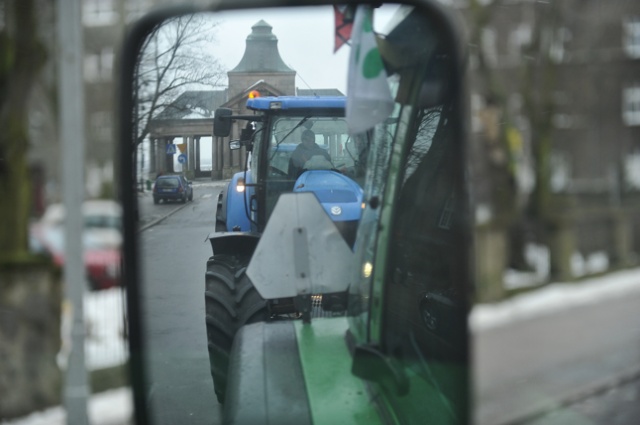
{"x":293,"y":144}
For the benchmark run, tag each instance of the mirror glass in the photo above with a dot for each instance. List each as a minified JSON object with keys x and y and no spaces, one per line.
{"x":388,"y":172}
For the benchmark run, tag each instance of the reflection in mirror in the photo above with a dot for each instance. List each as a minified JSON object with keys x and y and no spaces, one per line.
{"x":261,"y":305}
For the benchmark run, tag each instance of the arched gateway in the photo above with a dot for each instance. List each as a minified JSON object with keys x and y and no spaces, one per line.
{"x":190,"y":116}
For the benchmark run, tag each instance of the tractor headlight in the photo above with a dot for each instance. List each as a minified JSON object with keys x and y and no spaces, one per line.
{"x":367,"y":269}
{"x":240,"y":185}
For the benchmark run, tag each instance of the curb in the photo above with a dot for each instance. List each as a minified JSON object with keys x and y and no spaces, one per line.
{"x":159,"y":220}
{"x":222,"y":183}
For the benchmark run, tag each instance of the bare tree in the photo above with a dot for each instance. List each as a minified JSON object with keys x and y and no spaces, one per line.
{"x":22,"y":56}
{"x":490,"y":85}
{"x":534,"y":80}
{"x":539,"y":83}
{"x":176,"y":57}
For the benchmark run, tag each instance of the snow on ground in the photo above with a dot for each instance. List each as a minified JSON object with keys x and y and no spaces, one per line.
{"x":538,"y":259}
{"x":114,"y":407}
{"x":104,"y":317}
{"x":554,"y":297}
{"x":105,"y":344}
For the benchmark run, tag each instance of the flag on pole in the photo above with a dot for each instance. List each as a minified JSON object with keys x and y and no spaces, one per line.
{"x":369,"y":100}
{"x":344,"y":23}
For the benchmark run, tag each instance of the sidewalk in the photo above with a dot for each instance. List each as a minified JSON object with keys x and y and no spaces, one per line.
{"x":113,"y":407}
{"x":150,"y":216}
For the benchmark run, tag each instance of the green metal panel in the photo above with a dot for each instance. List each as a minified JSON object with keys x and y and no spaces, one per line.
{"x":335,"y":395}
{"x":396,"y":166}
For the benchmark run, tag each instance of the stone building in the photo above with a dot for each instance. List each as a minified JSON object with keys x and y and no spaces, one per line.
{"x":554,"y":87}
{"x":190,"y":116}
{"x":104,"y":23}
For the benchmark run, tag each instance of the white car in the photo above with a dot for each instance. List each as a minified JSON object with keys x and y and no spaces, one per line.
{"x":102,"y":218}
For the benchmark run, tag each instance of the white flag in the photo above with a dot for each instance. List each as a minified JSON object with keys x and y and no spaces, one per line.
{"x":369,"y":100}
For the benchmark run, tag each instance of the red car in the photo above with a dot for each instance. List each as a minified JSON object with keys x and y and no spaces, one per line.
{"x":101,"y":248}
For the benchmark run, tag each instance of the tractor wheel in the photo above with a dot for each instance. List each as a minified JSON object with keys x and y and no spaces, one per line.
{"x":231,"y":301}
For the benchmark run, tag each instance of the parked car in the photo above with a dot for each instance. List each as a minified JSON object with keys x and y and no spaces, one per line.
{"x":101,"y":251}
{"x":172,"y":187}
{"x":97,"y":213}
{"x":101,"y":239}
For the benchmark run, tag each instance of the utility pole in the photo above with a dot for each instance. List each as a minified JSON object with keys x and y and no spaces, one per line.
{"x":72,"y":136}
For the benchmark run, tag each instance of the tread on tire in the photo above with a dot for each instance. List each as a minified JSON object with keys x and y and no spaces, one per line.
{"x":231,"y":301}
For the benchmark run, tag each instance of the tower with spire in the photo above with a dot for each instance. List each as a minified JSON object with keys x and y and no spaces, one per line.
{"x":190,"y":116}
{"x":261,"y":65}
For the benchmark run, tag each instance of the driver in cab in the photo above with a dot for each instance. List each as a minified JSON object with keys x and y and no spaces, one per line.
{"x":303,"y":154}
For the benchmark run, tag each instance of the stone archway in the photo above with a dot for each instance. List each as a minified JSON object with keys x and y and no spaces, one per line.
{"x":191,"y":131}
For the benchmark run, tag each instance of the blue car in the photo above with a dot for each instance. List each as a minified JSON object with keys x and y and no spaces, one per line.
{"x":172,"y":188}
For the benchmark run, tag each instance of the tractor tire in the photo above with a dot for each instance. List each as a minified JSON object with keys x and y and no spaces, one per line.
{"x":231,"y":301}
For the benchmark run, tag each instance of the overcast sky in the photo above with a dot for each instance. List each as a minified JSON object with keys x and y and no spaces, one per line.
{"x":305,"y":42}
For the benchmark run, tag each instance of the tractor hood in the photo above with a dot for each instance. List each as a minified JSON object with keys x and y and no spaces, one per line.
{"x":301,"y":252}
{"x":340,"y":197}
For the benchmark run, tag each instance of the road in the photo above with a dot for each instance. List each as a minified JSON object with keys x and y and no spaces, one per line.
{"x":174,"y":254}
{"x":570,"y":365}
{"x":563,"y":366}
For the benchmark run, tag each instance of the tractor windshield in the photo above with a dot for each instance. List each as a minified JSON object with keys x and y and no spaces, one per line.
{"x":319,"y":143}
{"x":329,"y":134}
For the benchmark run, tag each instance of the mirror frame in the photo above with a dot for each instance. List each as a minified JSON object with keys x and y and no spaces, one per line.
{"x":127,"y":60}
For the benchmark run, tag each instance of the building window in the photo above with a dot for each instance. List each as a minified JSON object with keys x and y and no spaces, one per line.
{"x":519,"y":39}
{"x":2,"y":16}
{"x":136,"y":9}
{"x":99,"y":66}
{"x":476,"y":108}
{"x":100,"y":126}
{"x":632,"y":170}
{"x":489,"y":44}
{"x":559,"y":38}
{"x":99,"y":13}
{"x":631,"y":36}
{"x":631,"y":105}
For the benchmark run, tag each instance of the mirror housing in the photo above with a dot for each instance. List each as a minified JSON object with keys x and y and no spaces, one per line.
{"x":222,"y":122}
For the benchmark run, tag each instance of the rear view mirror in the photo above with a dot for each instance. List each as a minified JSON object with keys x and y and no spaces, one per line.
{"x":222,"y":122}
{"x":207,"y":342}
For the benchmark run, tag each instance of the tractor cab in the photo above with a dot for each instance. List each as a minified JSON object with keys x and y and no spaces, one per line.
{"x":394,"y":161}
{"x":297,"y":144}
